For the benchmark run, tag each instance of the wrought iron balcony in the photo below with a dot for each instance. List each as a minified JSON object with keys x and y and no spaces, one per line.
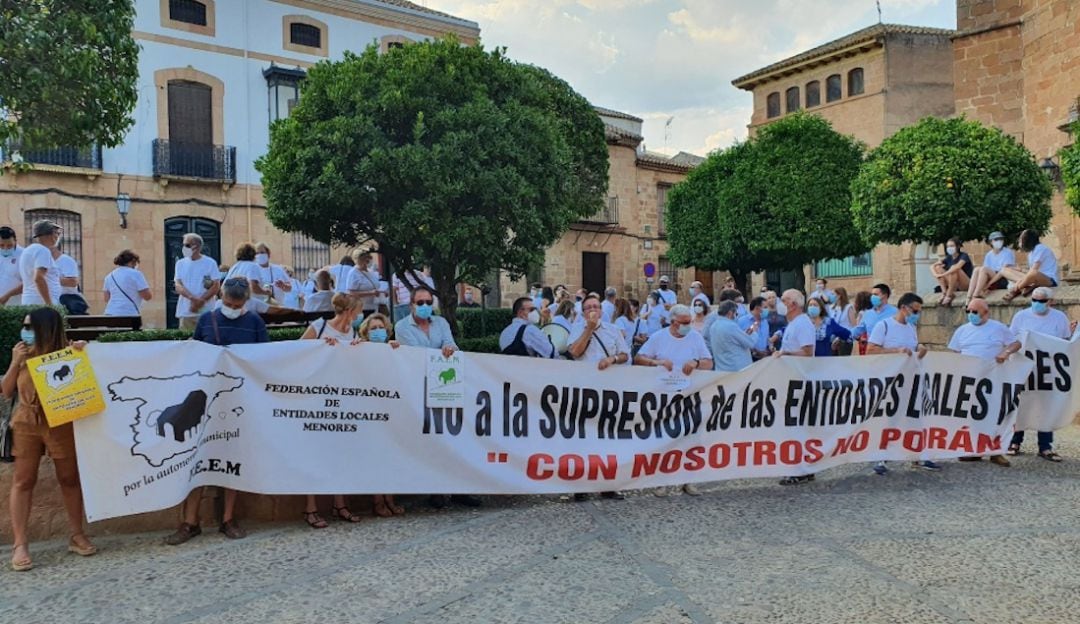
{"x":191,"y":161}
{"x":608,"y":215}
{"x":82,"y":158}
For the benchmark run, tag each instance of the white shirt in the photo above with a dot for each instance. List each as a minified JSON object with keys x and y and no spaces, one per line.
{"x":1048,"y":264}
{"x":1053,"y":323}
{"x":195,"y":276}
{"x":320,"y":301}
{"x":891,"y":334}
{"x":607,"y":311}
{"x":537,"y":343}
{"x":252,"y":305}
{"x":984,"y":341}
{"x":606,"y":333}
{"x":667,"y":296}
{"x":799,"y":333}
{"x":328,"y":331}
{"x":627,"y":326}
{"x":655,"y":321}
{"x":402,"y":294}
{"x":340,"y":273}
{"x":663,"y":346}
{"x":249,"y":270}
{"x":997,"y":260}
{"x":268,"y":275}
{"x":9,"y":275}
{"x":361,"y":280}
{"x":68,"y":268}
{"x":123,"y":286}
{"x":840,"y":315}
{"x":291,"y":299}
{"x":34,"y":257}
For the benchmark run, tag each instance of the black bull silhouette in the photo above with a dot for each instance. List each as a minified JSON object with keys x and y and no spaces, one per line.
{"x":183,"y":417}
{"x":61,"y":373}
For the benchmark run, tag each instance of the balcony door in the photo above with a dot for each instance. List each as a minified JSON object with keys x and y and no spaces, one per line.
{"x":175,"y":229}
{"x":191,"y":129}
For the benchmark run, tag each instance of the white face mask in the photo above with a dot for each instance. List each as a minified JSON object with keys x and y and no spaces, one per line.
{"x":950,"y":250}
{"x":187,"y":251}
{"x":534,"y":317}
{"x":262,"y":259}
{"x":781,"y":309}
{"x":998,"y":244}
{"x":232,"y":313}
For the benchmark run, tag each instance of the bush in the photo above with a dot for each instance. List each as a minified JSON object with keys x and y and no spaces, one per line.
{"x":151,"y":335}
{"x":484,"y":344}
{"x":1070,"y":171}
{"x":11,"y":319}
{"x":472,"y":321}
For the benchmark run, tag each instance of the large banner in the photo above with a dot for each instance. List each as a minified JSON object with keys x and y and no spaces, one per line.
{"x":304,"y":417}
{"x":1049,"y":403}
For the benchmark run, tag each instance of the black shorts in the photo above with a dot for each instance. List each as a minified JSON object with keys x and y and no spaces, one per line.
{"x":1001,"y":284}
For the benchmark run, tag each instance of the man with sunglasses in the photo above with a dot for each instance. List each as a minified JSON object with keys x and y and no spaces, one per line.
{"x":195,"y":280}
{"x":1043,"y":319}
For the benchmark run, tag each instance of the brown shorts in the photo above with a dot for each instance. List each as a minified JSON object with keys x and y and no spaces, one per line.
{"x":189,"y":322}
{"x":59,"y":442}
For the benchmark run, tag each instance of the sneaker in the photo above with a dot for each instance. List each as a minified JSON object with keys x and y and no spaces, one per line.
{"x":926,"y":464}
{"x":232,"y":530}
{"x":691,"y":490}
{"x":1000,"y":460}
{"x":880,"y":468}
{"x":184,"y":533}
{"x":661,"y":491}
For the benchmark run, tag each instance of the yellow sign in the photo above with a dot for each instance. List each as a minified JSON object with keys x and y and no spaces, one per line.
{"x":66,"y":385}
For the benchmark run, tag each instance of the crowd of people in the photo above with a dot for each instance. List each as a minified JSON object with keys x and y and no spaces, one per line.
{"x":550,"y":322}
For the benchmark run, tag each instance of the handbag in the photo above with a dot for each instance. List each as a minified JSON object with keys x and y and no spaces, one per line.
{"x":7,"y":436}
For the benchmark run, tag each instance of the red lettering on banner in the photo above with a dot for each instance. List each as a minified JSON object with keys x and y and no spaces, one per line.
{"x":987,"y":444}
{"x":694,"y":459}
{"x":645,"y":464}
{"x":571,"y":467}
{"x":670,"y":462}
{"x":537,"y":467}
{"x":888,"y":436}
{"x":791,"y":453}
{"x":937,"y":438}
{"x":606,"y":466}
{"x":813,"y":451}
{"x":719,"y":456}
{"x":765,"y":453}
{"x":962,"y":441}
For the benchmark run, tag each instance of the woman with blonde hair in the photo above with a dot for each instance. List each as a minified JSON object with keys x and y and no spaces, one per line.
{"x":377,"y":328}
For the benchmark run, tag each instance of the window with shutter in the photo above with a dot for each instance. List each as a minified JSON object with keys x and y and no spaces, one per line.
{"x":834,"y":89}
{"x":188,"y":11}
{"x":305,"y":35}
{"x":813,"y":94}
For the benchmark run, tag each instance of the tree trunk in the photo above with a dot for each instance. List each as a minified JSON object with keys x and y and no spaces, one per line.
{"x":800,"y":279}
{"x":742,"y":282}
{"x":447,"y":287}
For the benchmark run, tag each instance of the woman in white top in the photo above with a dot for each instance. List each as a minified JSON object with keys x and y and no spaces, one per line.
{"x":564,"y":314}
{"x":246,"y":267}
{"x":291,"y":298}
{"x":1042,"y":268}
{"x":652,"y":313}
{"x":322,"y":299}
{"x":991,"y":276}
{"x":701,"y":310}
{"x":125,"y":287}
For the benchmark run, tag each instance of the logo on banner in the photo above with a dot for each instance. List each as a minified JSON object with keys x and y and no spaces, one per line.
{"x":171,"y":413}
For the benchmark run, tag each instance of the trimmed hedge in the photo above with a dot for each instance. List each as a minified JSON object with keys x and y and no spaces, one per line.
{"x":11,"y":319}
{"x":150,"y":335}
{"x":471,"y":320}
{"x":484,"y":344}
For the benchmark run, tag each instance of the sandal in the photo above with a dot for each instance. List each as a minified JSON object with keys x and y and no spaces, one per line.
{"x":381,"y":509}
{"x":1009,"y":296}
{"x":82,"y":551}
{"x":1050,"y":456}
{"x":1027,"y":290}
{"x":314,"y":520}
{"x":946,"y":301}
{"x":397,"y":509}
{"x":1014,"y":450}
{"x":21,"y":565}
{"x":343,"y":513}
{"x":797,"y":480}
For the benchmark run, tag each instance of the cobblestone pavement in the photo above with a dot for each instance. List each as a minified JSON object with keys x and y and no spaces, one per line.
{"x":974,"y":543}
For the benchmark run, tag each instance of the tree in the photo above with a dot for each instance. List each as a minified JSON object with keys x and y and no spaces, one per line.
{"x":443,"y":155}
{"x":68,"y":72}
{"x":1070,"y":171}
{"x":942,"y":178}
{"x":779,"y":201}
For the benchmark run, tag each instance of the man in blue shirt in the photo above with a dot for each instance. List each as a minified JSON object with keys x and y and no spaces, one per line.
{"x":760,"y":349}
{"x":881,"y":310}
{"x":729,"y":342}
{"x":522,"y":336}
{"x":421,"y":328}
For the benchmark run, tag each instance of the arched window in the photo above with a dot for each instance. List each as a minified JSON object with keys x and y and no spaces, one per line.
{"x":71,"y":222}
{"x":193,"y":16}
{"x":813,"y":94}
{"x":855,"y":82}
{"x":305,"y":35}
{"x":793,"y":100}
{"x":188,"y":11}
{"x":834,"y":88}
{"x":772,"y":105}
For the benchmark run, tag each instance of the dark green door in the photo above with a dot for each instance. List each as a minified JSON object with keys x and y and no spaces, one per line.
{"x":175,"y":229}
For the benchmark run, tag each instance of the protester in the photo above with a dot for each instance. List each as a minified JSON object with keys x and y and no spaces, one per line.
{"x":42,"y":332}
{"x":272,"y":277}
{"x":413,"y":278}
{"x":607,"y":306}
{"x":678,"y":348}
{"x":291,"y":297}
{"x":632,"y":327}
{"x":1042,"y":267}
{"x":377,"y":328}
{"x":667,"y":296}
{"x":11,"y":285}
{"x":861,"y":305}
{"x":828,"y":334}
{"x":231,"y":323}
{"x":1040,"y":318}
{"x":843,"y":312}
{"x":523,"y":336}
{"x":308,"y":288}
{"x":322,"y":299}
{"x":70,"y":297}
{"x":731,"y":344}
{"x":953,"y":272}
{"x":697,"y":293}
{"x":822,"y":292}
{"x":700,"y":311}
{"x":652,"y":313}
{"x":991,"y":275}
{"x":126,"y":287}
{"x":339,"y":273}
{"x":986,"y":339}
{"x":247,"y":268}
{"x":196,"y":282}
{"x":579,"y":298}
{"x":776,"y":314}
{"x":363,"y":281}
{"x":468,"y":300}
{"x":899,"y":334}
{"x":798,"y":341}
{"x":756,"y":316}
{"x":37,"y":269}
{"x":880,"y":309}
{"x":564,"y":315}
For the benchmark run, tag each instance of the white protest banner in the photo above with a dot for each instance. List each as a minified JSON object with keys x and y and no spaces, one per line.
{"x":304,"y":417}
{"x":1049,"y":403}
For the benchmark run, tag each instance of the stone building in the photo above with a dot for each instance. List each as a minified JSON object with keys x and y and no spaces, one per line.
{"x":868,"y":84}
{"x":213,"y":74}
{"x":613,"y":247}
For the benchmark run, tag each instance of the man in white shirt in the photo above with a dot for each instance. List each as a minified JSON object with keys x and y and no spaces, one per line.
{"x":363,"y":281}
{"x":10,"y":281}
{"x":273,"y":276}
{"x":522,"y":336}
{"x":195,"y":281}
{"x":799,"y":335}
{"x":991,"y":275}
{"x":667,"y":296}
{"x":37,"y":269}
{"x":1043,"y":319}
{"x":898,"y":334}
{"x":340,"y":274}
{"x":607,"y":306}
{"x":987,"y":339}
{"x":70,"y":297}
{"x":246,"y":267}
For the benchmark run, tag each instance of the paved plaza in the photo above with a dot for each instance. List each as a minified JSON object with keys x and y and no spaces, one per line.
{"x":974,"y":543}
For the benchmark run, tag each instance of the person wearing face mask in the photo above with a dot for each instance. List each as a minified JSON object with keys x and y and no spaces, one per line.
{"x":880,"y":309}
{"x":247,"y":268}
{"x":273,"y":276}
{"x":1042,"y":267}
{"x":195,"y":280}
{"x":468,"y":300}
{"x":403,"y":287}
{"x":667,"y":295}
{"x":1041,"y":318}
{"x":827,"y":332}
{"x":126,"y":287}
{"x":376,"y":328}
{"x":697,"y":293}
{"x":229,"y":324}
{"x":42,"y":332}
{"x":756,"y":325}
{"x":732,"y":345}
{"x":364,"y":281}
{"x":822,"y":292}
{"x":991,"y":275}
{"x":953,"y":272}
{"x":651,"y":313}
{"x":700,"y":311}
{"x":523,"y":336}
{"x":292,"y":297}
{"x":37,"y":269}
{"x":10,"y":281}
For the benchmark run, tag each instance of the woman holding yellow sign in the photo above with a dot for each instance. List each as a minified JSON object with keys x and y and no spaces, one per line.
{"x":42,"y":332}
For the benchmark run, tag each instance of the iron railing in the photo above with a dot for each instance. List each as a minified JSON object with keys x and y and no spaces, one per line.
{"x":192,"y":160}
{"x":608,"y":215}
{"x":852,"y":266}
{"x":83,"y":157}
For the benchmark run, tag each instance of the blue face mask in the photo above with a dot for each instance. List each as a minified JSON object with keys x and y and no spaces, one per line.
{"x":913,"y":318}
{"x":357,"y":322}
{"x":27,"y":336}
{"x":377,"y":335}
{"x":813,"y":311}
{"x":974,"y":318}
{"x":1039,"y":307}
{"x":875,"y":300}
{"x":424,"y":311}
{"x":684,"y":330}
{"x":7,"y":253}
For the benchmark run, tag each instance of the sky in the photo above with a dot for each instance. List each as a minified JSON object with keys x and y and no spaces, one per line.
{"x":659,"y":59}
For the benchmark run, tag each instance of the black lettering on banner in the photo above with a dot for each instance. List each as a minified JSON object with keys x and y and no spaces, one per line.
{"x":981,"y":409}
{"x":549,"y":424}
{"x":440,"y":419}
{"x":519,"y":423}
{"x":1063,"y":381}
{"x":790,"y":403}
{"x":483,"y":415}
{"x":962,"y":395}
{"x":609,"y":411}
{"x":915,"y":400}
{"x":628,"y":404}
{"x":722,"y":404}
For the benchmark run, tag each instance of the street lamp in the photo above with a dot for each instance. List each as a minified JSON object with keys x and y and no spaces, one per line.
{"x":123,"y":207}
{"x":1051,"y":169}
{"x":284,"y":88}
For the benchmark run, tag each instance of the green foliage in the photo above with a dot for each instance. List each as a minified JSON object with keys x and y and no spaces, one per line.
{"x":778,"y":201}
{"x":475,"y":320}
{"x":444,"y":155}
{"x":949,"y":177}
{"x":1070,"y":170}
{"x":151,"y":335}
{"x":68,"y":71}
{"x":483,"y":344}
{"x":11,"y":319}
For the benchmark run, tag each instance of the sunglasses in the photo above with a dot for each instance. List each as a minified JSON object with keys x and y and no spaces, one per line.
{"x":191,"y":245}
{"x":424,"y":302}
{"x":1040,"y":300}
{"x":27,"y":326}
